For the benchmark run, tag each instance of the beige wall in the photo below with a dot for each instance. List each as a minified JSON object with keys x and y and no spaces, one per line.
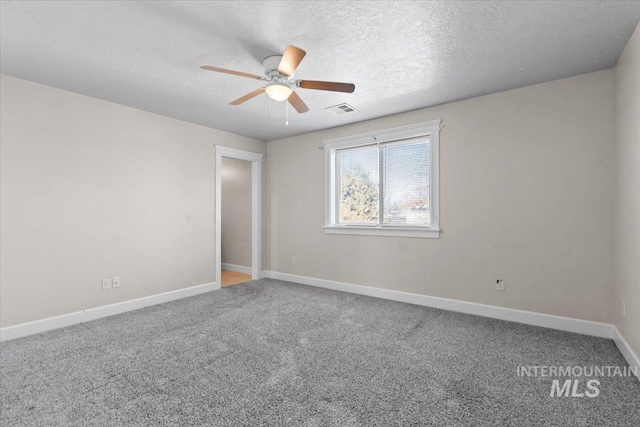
{"x":627,"y":201}
{"x":91,"y":189}
{"x":236,"y":212}
{"x":525,"y":196}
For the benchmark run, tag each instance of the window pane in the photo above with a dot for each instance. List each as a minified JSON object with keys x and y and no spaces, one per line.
{"x":406,"y":183}
{"x":358,"y":194}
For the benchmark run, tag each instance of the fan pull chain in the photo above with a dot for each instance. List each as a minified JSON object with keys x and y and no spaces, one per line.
{"x":286,"y":109}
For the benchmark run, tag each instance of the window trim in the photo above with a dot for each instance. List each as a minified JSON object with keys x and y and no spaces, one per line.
{"x":430,"y":129}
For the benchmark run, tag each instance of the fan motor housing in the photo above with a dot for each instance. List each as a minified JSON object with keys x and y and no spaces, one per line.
{"x":270,"y":64}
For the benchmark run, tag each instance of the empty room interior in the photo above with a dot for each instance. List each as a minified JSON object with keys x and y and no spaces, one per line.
{"x":320,"y":213}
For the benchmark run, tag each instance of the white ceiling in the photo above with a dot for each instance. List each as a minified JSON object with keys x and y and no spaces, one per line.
{"x":401,"y":55}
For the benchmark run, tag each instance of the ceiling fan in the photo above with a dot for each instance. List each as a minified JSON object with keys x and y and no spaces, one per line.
{"x":278,"y":71}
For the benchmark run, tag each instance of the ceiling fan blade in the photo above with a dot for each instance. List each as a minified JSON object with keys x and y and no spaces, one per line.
{"x":290,"y":60}
{"x":247,"y":97}
{"x":297,"y":103}
{"x":332,"y":86}
{"x":235,"y":73}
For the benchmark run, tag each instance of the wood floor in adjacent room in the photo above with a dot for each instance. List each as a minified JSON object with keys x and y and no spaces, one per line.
{"x":230,"y":278}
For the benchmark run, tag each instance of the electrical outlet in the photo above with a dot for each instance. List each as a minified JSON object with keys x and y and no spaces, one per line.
{"x":293,"y":260}
{"x":116,"y":282}
{"x":106,"y":284}
{"x":624,"y":309}
{"x":499,"y":285}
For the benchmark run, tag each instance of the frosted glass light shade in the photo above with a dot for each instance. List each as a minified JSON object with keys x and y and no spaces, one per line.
{"x":278,"y":92}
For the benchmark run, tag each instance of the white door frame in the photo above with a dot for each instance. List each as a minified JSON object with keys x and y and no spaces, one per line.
{"x":256,"y":208}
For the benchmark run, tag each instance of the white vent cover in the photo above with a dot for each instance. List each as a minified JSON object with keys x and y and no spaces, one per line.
{"x":341,"y":108}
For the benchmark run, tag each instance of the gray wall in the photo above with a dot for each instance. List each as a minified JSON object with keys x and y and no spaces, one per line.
{"x":236,"y":212}
{"x":91,"y":189}
{"x":627,"y":202}
{"x":525,"y":196}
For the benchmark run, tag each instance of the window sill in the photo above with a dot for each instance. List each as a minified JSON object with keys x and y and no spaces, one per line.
{"x":423,"y":232}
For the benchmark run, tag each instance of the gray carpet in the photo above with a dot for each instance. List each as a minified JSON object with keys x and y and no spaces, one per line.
{"x":276,"y":353}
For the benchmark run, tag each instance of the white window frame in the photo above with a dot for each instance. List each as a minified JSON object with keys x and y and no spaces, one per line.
{"x":430,"y":129}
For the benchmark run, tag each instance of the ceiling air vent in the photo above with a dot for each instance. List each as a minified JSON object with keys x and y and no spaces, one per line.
{"x":341,"y":109}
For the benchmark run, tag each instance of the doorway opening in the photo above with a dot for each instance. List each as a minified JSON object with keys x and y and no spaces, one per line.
{"x":242,"y":240}
{"x":236,"y":221}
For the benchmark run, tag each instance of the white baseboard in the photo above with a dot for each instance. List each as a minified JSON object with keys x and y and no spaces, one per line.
{"x":586,"y":327}
{"x":236,"y":268}
{"x":568,"y":324}
{"x":632,"y":358}
{"x":37,"y":326}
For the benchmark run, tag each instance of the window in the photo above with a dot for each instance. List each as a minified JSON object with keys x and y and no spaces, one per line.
{"x":384,"y":183}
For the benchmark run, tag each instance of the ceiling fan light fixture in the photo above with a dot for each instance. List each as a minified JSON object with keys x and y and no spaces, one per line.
{"x":278,"y":75}
{"x":278,"y":91}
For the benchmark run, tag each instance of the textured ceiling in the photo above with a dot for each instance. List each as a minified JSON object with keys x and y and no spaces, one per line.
{"x":401,"y":55}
